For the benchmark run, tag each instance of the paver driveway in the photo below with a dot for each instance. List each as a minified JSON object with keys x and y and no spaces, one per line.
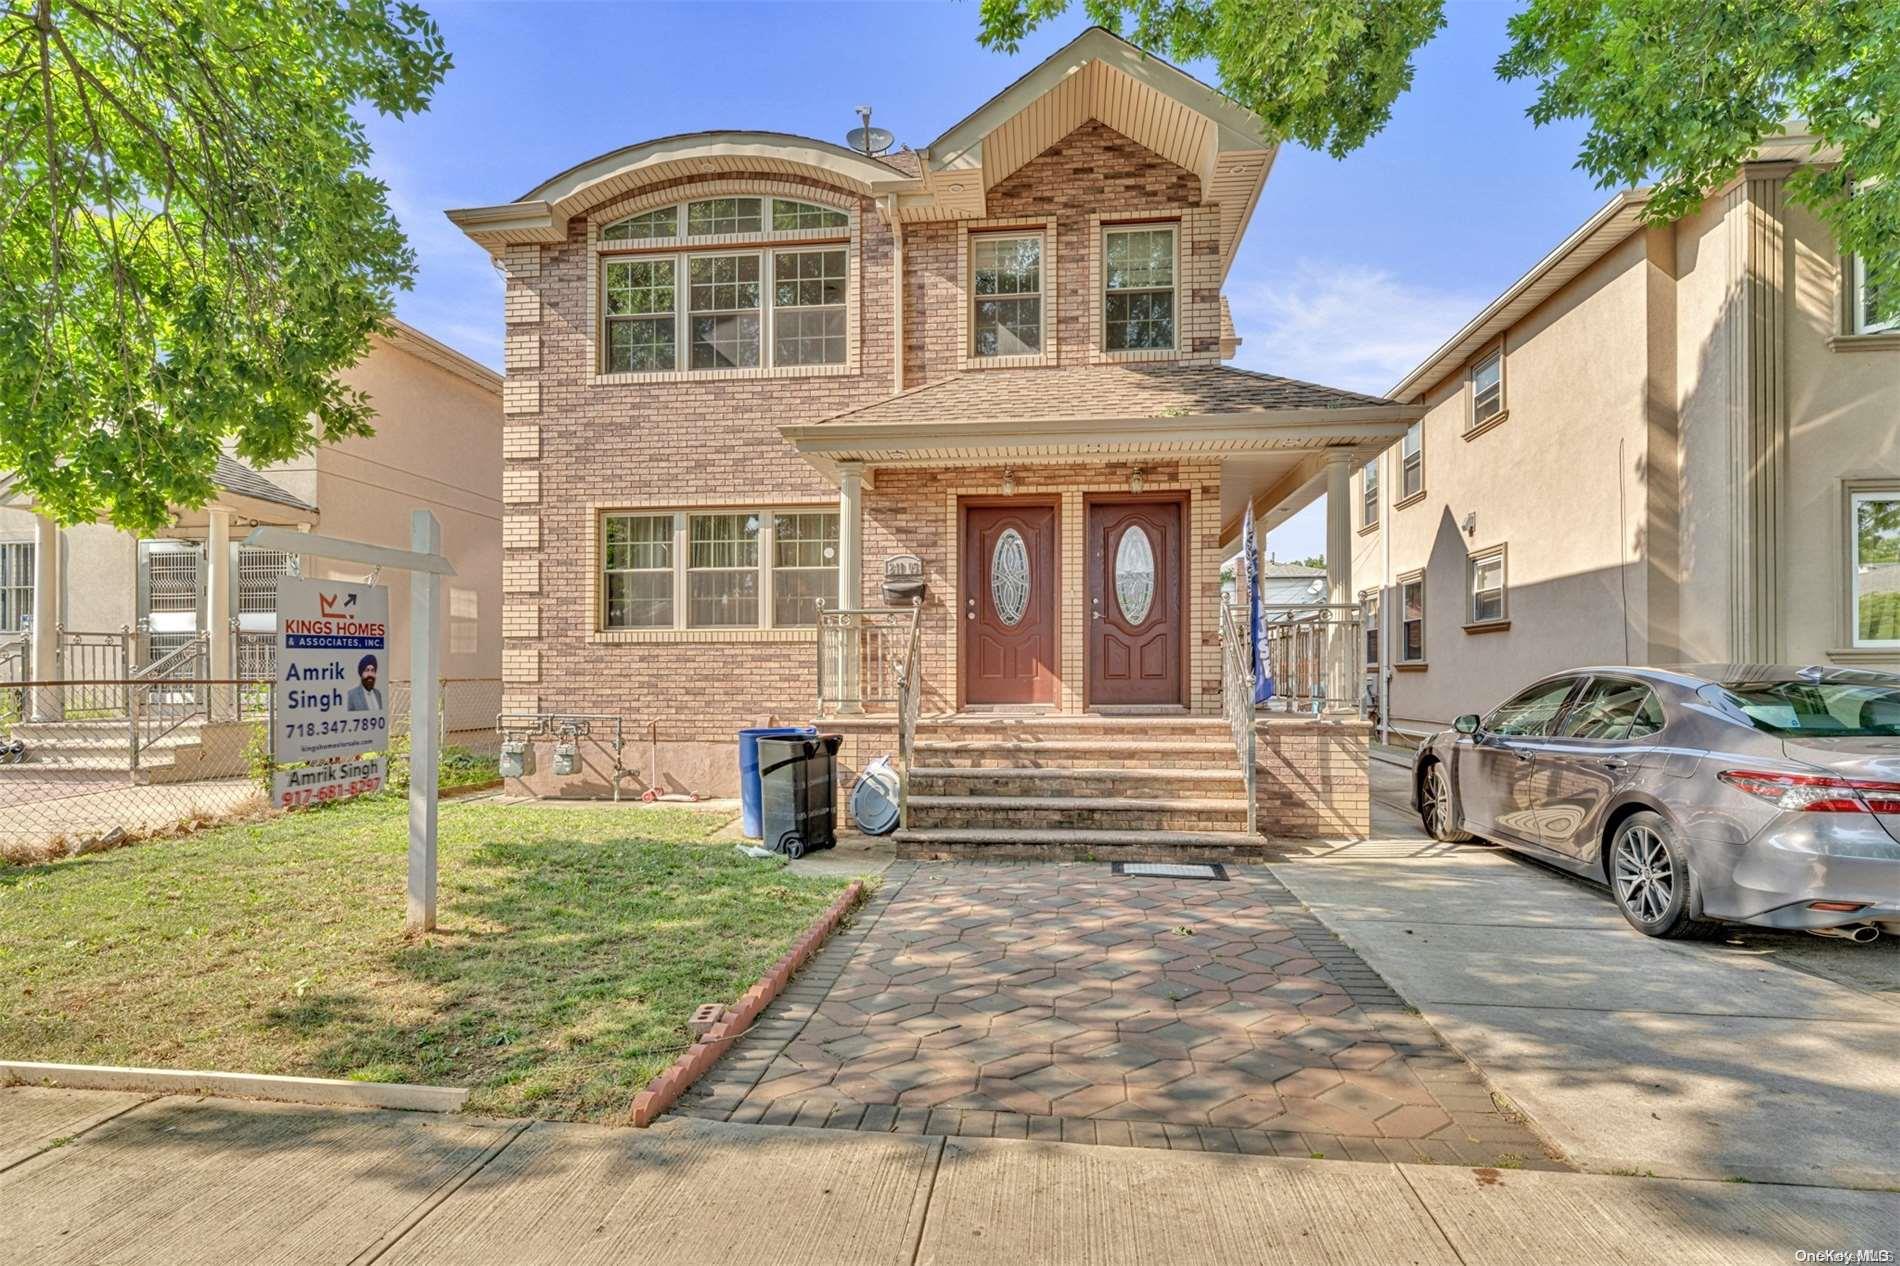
{"x":1061,"y":1000}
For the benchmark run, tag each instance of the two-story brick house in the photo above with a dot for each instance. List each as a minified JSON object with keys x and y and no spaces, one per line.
{"x":746,"y":371}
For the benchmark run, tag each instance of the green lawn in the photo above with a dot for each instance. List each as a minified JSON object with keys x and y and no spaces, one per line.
{"x":574,"y":943}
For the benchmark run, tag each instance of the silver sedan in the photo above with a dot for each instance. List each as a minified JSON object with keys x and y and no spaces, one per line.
{"x":1740,"y":793}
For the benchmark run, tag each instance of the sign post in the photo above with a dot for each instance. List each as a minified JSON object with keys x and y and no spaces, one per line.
{"x":425,"y":691}
{"x":426,"y":566}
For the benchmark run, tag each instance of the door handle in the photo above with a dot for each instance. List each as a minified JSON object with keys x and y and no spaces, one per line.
{"x":1521,"y":754}
{"x":1611,"y":762}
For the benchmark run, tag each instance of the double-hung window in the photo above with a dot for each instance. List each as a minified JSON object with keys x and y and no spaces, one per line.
{"x":1371,"y":602}
{"x":1874,"y":312}
{"x":16,"y":586}
{"x":1412,"y":460}
{"x":1411,"y":649}
{"x":1005,"y":295}
{"x":717,"y":569}
{"x":1138,"y":277}
{"x":1873,"y":535}
{"x":1487,"y":389}
{"x":677,"y":293}
{"x":1369,"y":494}
{"x":1487,"y":587}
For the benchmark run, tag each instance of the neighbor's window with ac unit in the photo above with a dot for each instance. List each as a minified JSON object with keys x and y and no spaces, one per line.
{"x":1873,"y":538}
{"x":1487,"y":587}
{"x":16,"y":586}
{"x":1487,"y":389}
{"x":1005,"y":295}
{"x":717,"y":569}
{"x":1138,"y":277}
{"x":737,"y":307}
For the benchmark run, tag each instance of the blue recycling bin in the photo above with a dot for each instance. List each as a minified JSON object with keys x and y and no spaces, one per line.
{"x":749,"y":818}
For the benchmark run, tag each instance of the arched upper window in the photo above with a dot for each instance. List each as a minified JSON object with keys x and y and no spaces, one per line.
{"x":679,"y":294}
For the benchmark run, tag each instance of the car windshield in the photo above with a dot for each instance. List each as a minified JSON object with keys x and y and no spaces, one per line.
{"x":1817,"y":709}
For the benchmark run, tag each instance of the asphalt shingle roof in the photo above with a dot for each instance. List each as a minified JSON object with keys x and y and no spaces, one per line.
{"x":233,"y":475}
{"x":1102,"y":391}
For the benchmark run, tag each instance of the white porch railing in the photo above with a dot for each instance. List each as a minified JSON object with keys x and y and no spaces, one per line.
{"x":1315,"y":654}
{"x":861,"y":654}
{"x":1236,"y":694}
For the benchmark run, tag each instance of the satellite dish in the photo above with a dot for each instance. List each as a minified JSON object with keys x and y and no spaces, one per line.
{"x":869,"y":140}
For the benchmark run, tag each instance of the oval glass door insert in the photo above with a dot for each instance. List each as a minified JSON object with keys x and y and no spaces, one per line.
{"x":1135,"y":574}
{"x":1009,"y":577}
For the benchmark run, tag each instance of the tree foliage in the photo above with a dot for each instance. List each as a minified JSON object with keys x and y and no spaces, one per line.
{"x":1677,"y":93}
{"x":190,"y":245}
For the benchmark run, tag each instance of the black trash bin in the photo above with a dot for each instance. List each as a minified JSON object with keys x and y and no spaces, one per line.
{"x":798,"y":775}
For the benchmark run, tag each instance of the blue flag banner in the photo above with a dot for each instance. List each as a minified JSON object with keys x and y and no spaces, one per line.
{"x":1256,"y":621}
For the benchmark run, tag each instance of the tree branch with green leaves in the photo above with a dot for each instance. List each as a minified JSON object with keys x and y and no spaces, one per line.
{"x":1678,"y":94}
{"x":191,"y":245}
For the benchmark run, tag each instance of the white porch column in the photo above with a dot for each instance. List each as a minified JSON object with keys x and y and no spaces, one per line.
{"x":48,"y":703}
{"x":1342,"y":691}
{"x":218,"y":602}
{"x":850,"y":576}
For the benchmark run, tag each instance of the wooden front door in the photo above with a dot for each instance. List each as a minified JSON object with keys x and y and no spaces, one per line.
{"x":1008,"y":604}
{"x":1136,"y":632}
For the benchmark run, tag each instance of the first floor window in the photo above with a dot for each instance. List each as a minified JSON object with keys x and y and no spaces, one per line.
{"x":1874,"y":571}
{"x":16,"y":586}
{"x":1372,"y":631}
{"x":639,"y":571}
{"x":1138,"y":276}
{"x":723,"y":308}
{"x":1875,"y":310}
{"x":1006,"y":295}
{"x":642,"y":315}
{"x":1487,"y":586}
{"x":1487,"y":388}
{"x":804,"y":566}
{"x":1412,"y":620}
{"x":1369,"y":509}
{"x":722,"y":570}
{"x":1412,"y":456}
{"x":808,"y":307}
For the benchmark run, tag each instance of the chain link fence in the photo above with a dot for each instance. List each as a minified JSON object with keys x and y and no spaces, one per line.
{"x":93,"y":763}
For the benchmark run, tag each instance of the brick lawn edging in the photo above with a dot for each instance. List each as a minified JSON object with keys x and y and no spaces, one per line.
{"x":664,"y":1090}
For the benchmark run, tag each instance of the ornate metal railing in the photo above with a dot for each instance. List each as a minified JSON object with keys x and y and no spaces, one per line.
{"x":16,"y":665}
{"x":167,"y":693}
{"x":1315,"y":654}
{"x":100,"y":660}
{"x":861,"y":655}
{"x":1236,"y":693}
{"x":910,"y":706}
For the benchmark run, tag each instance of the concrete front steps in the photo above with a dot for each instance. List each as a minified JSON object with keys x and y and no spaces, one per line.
{"x":105,"y":746}
{"x":1043,"y":785}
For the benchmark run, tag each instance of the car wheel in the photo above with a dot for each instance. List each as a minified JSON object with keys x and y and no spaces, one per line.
{"x":1652,"y":882}
{"x":1436,"y":810}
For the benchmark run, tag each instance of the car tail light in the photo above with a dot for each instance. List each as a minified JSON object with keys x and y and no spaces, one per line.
{"x":1816,"y":793}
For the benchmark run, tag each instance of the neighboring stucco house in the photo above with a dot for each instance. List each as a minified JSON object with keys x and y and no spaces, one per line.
{"x":100,"y":602}
{"x":748,"y":372}
{"x":1662,"y":445}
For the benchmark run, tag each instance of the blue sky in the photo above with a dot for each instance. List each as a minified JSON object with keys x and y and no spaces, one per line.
{"x":1351,"y":271}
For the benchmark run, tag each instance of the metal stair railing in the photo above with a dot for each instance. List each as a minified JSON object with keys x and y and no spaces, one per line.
{"x":1236,"y":693}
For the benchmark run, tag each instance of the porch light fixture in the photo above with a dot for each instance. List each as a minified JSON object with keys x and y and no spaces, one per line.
{"x":1136,"y":479}
{"x":1009,"y":482}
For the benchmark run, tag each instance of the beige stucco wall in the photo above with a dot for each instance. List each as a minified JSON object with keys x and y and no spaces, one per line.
{"x":107,"y":599}
{"x":1559,"y":483}
{"x":1705,"y":479}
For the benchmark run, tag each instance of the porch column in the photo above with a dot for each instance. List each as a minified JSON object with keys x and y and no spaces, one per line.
{"x":47,"y":703}
{"x":850,"y":577}
{"x":1341,"y":690}
{"x":218,"y":603}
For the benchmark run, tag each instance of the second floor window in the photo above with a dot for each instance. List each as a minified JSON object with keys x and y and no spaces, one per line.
{"x":1005,"y":295}
{"x":1487,"y":388}
{"x":1874,"y":312}
{"x":1138,"y":276}
{"x":1369,"y":508}
{"x":1412,"y":456}
{"x":1487,"y":587}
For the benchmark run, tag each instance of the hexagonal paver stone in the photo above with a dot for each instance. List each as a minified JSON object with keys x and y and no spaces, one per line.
{"x":994,"y":1004}
{"x":1412,"y":1122}
{"x":1053,"y":1081}
{"x":1308,"y":1083}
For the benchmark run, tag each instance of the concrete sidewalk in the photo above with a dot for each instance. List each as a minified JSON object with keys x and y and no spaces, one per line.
{"x":97,"y":1178}
{"x":1764,"y":1056}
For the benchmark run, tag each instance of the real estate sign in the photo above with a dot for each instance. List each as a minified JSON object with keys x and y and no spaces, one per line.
{"x":331,"y":695}
{"x":305,"y":785}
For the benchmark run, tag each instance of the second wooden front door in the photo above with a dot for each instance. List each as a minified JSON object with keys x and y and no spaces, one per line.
{"x":1008,"y":605}
{"x":1136,"y":632}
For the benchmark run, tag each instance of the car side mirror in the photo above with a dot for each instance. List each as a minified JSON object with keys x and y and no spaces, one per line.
{"x":1466,"y":724}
